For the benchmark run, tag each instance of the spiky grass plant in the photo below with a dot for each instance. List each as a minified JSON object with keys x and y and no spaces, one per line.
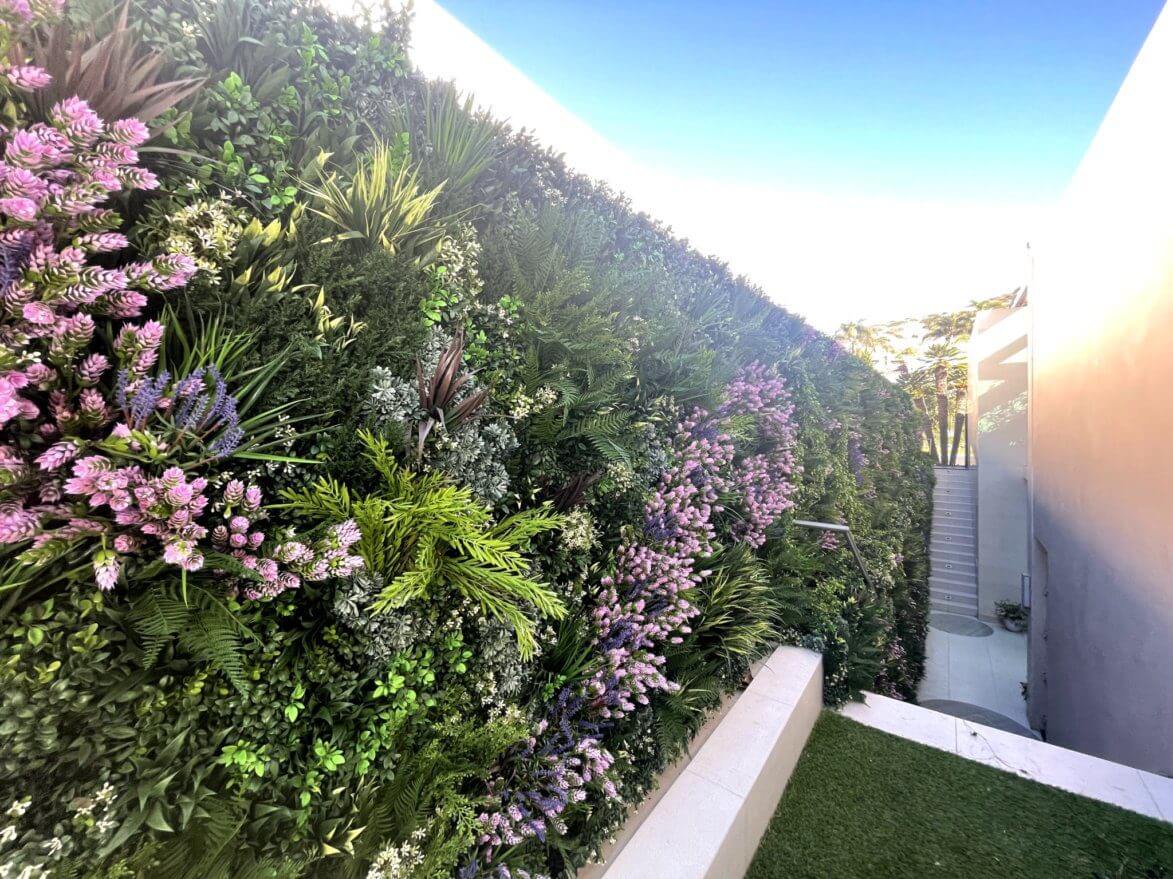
{"x":381,"y":202}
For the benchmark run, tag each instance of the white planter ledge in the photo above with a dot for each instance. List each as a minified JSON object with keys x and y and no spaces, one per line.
{"x":708,"y":822}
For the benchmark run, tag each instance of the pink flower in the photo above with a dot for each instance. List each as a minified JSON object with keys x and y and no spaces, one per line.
{"x":126,"y":543}
{"x":131,"y":132}
{"x":58,"y":454}
{"x":19,"y":208}
{"x":177,"y":551}
{"x":77,"y":121}
{"x":38,"y":313}
{"x":106,"y":569}
{"x":16,"y":523}
{"x":10,"y":401}
{"x":16,"y":11}
{"x":27,"y":77}
{"x":252,"y":499}
{"x":103,"y":242}
{"x":40,"y":375}
{"x":346,"y":533}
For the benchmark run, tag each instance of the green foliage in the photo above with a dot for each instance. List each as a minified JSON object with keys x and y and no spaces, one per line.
{"x":380,"y":203}
{"x":204,"y":624}
{"x":422,"y":534}
{"x":737,"y":624}
{"x":105,"y":64}
{"x":351,"y":721}
{"x":461,"y":145}
{"x":428,"y":797}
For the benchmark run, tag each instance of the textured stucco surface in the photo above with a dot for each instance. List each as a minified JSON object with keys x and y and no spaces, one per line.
{"x":1102,"y":436}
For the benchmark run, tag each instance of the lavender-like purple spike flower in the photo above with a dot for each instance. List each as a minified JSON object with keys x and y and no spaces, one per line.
{"x":186,"y":392}
{"x":120,"y":389}
{"x":228,"y":441}
{"x":14,"y":253}
{"x":146,"y":397}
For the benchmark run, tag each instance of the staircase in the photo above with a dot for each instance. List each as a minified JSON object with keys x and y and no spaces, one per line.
{"x":953,"y":548}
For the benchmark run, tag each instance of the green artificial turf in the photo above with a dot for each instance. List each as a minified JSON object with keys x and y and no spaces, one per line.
{"x":864,"y":803}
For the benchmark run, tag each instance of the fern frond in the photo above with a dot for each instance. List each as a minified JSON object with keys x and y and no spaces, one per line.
{"x":199,"y":622}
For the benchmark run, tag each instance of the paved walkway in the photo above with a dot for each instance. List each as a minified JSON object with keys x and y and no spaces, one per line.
{"x":982,"y":671}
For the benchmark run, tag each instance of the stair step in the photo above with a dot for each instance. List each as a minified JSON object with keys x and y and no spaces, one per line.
{"x":964,"y":608}
{"x":952,"y":501}
{"x":964,"y":514}
{"x":957,"y":587}
{"x":955,"y":507}
{"x":955,"y":530}
{"x":962,"y":549}
{"x":954,"y":598}
{"x":954,"y":504}
{"x":952,"y":573}
{"x":953,"y":567}
{"x":951,"y":580}
{"x":940,"y":561}
{"x":951,"y":541}
{"x":953,"y":595}
{"x":947,"y":557}
{"x":955,"y":527}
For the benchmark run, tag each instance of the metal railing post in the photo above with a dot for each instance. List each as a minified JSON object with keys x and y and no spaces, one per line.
{"x":842,"y":529}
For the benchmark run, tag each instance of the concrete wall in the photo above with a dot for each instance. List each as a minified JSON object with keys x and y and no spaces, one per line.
{"x":998,"y":366}
{"x":1102,"y":435}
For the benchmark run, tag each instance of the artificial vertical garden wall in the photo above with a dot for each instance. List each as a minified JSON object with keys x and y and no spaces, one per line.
{"x":378,"y":498}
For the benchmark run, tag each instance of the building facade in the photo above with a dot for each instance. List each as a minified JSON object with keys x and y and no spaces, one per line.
{"x":1101,"y":437}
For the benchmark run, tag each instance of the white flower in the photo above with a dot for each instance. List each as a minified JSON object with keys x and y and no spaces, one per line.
{"x":54,"y":846}
{"x":578,"y":531}
{"x":83,"y":806}
{"x":19,"y":807}
{"x":8,"y":834}
{"x":105,"y":794}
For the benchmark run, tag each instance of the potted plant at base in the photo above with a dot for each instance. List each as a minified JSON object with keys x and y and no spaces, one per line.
{"x":1012,"y":615}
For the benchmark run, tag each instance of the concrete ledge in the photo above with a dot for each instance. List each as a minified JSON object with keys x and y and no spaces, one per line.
{"x":708,"y":823}
{"x":1072,"y":771}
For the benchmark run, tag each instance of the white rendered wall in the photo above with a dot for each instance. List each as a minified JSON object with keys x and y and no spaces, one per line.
{"x":998,"y":364}
{"x":1102,"y":435}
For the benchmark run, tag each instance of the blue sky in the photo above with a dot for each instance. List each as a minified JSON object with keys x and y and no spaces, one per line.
{"x":952,"y":99}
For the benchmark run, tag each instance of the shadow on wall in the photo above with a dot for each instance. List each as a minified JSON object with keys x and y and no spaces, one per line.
{"x":1002,"y":401}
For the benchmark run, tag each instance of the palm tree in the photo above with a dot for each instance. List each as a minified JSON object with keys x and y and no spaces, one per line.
{"x":918,"y":384}
{"x":959,"y":386}
{"x":863,"y":340}
{"x":934,"y":372}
